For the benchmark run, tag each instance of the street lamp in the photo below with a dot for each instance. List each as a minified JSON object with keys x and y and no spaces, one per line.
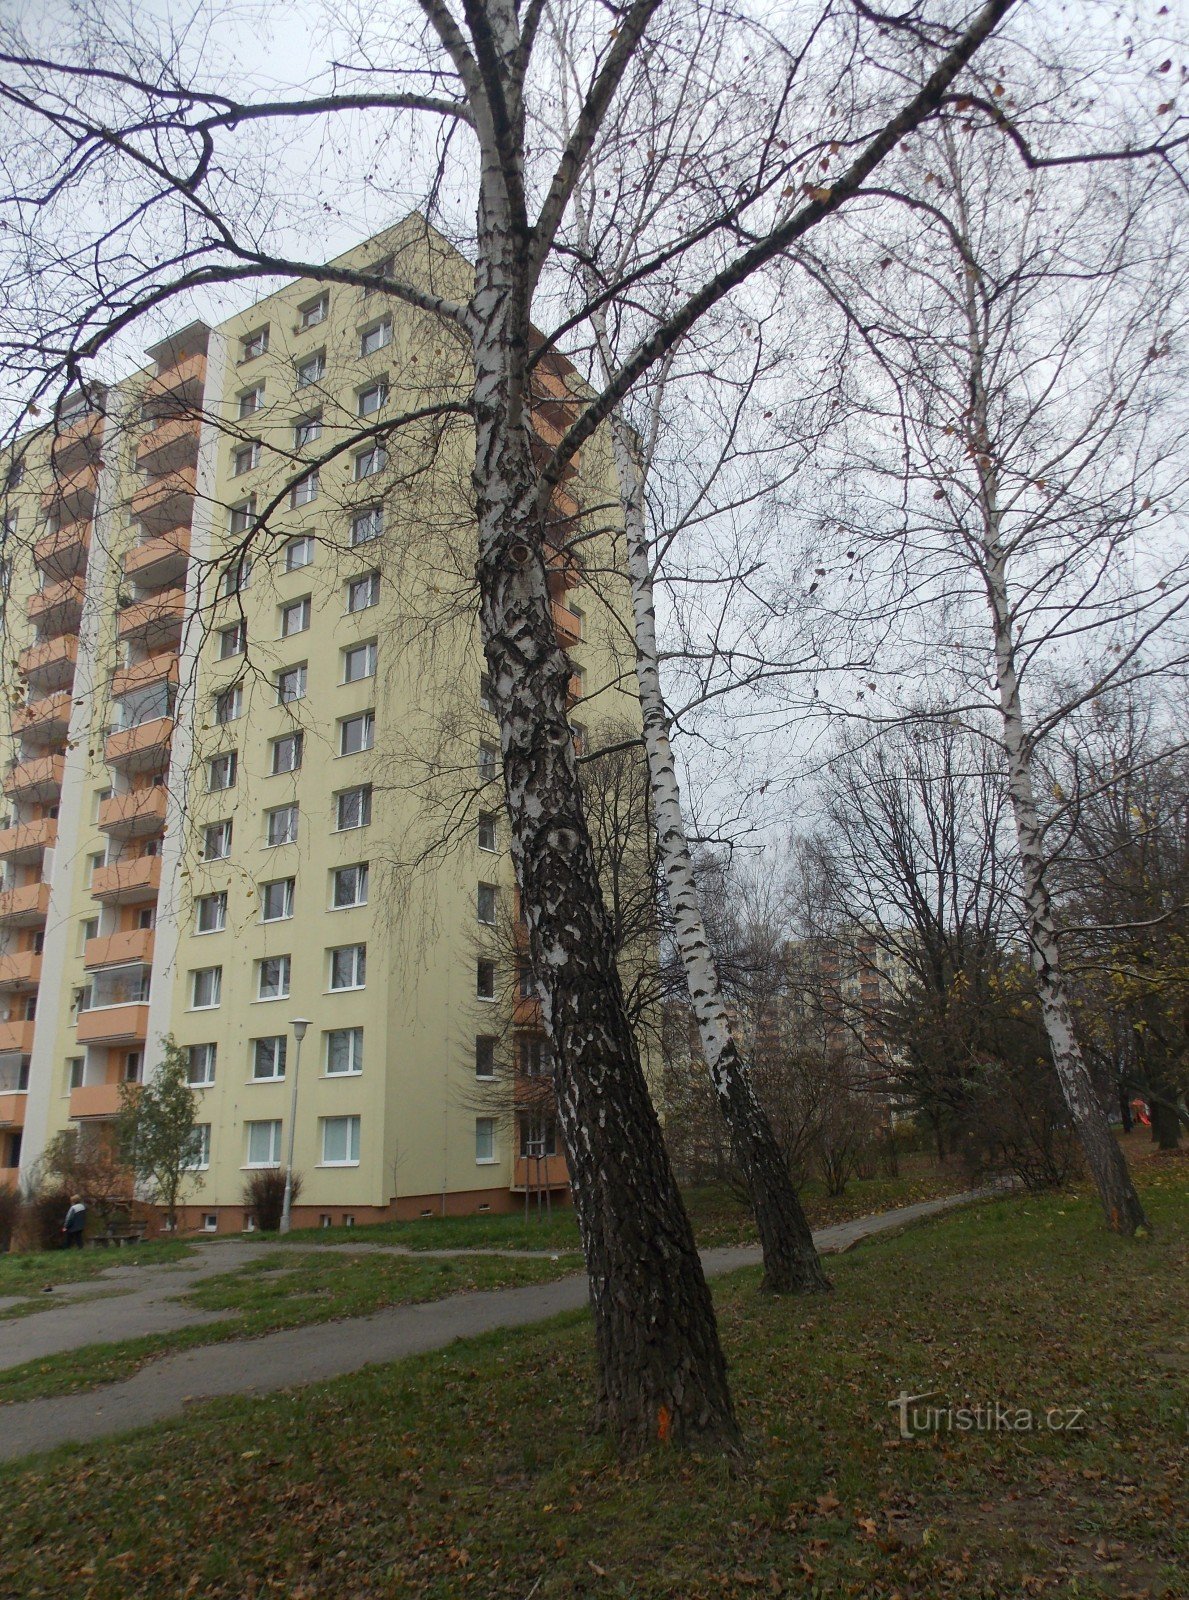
{"x":299,"y":1026}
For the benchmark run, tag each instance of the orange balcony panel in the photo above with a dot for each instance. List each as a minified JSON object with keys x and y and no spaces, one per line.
{"x":58,"y":607}
{"x":72,"y":494}
{"x":21,"y":968}
{"x":111,"y":1025}
{"x":574,"y":690}
{"x":119,"y":949}
{"x":46,"y":719}
{"x":185,"y":377}
{"x":127,"y":882}
{"x":63,"y":553}
{"x":526,"y":1011}
{"x":25,"y":906}
{"x":96,"y":1099}
{"x":564,"y":574}
{"x":146,"y":745}
{"x":159,"y":668}
{"x":39,"y":778}
{"x":78,"y":441}
{"x":139,"y":812}
{"x":50,"y":665}
{"x":12,"y":1109}
{"x":567,"y":625}
{"x":26,"y":840}
{"x":16,"y":1036}
{"x":159,"y":560}
{"x":171,"y":444}
{"x":550,"y":1172}
{"x":157,"y":620}
{"x":166,"y":501}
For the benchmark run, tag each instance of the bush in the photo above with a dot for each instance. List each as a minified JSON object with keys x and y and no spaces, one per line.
{"x":42,"y":1214}
{"x":10,"y":1216}
{"x":1017,"y":1123}
{"x":264,"y":1196}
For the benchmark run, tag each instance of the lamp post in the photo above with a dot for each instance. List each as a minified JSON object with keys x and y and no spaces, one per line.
{"x":299,"y":1026}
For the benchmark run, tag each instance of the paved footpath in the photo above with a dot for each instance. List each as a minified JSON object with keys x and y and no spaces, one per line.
{"x":302,"y":1355}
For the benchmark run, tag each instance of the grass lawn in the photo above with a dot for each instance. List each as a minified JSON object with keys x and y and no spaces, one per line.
{"x":281,"y":1290}
{"x":472,"y":1471}
{"x":29,"y":1273}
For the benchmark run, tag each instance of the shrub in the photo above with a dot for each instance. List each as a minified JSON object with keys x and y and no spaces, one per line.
{"x":264,"y":1196}
{"x":10,"y":1216}
{"x":42,"y":1214}
{"x":1017,"y":1123}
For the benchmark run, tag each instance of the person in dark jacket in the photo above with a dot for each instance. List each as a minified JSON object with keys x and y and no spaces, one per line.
{"x":76,"y":1222}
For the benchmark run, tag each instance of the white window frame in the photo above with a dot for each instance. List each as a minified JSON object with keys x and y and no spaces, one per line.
{"x":369,"y":343}
{"x":289,"y":886}
{"x":310,"y":369}
{"x":276,"y":811}
{"x":354,"y":1141}
{"x":245,"y":459}
{"x":358,"y":955}
{"x":482,"y":965}
{"x":364,"y":791}
{"x":354,"y":1053}
{"x":280,"y":1054}
{"x":299,"y":672}
{"x":372,"y":580}
{"x":302,"y":609}
{"x":229,"y":705}
{"x":372,"y":399}
{"x":312,"y":313}
{"x":251,"y":401}
{"x":210,"y":1064}
{"x":367,"y":525}
{"x":216,"y":977}
{"x":485,"y":1140}
{"x":203,"y":1130}
{"x":297,"y":742}
{"x":303,"y":542}
{"x":222,"y":833}
{"x":486,"y":901}
{"x":233,"y":640}
{"x":484,"y":1039}
{"x":285,"y":978}
{"x":228,"y":761}
{"x":305,"y":491}
{"x":254,"y":344}
{"x":488,"y":829}
{"x":362,"y":877}
{"x":216,"y":904}
{"x":367,"y":722}
{"x":369,"y":651}
{"x":274,"y":1142}
{"x":370,"y":462}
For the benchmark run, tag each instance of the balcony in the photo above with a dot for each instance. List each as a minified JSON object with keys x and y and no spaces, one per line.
{"x":63,"y":553}
{"x":564,"y":574}
{"x":180,"y":379}
{"x":50,"y":666}
{"x":141,"y":748}
{"x":16,"y":1036}
{"x":26,"y":840}
{"x":550,"y":1172}
{"x":96,"y":1099}
{"x":128,"y":1024}
{"x":574,"y":690}
{"x":45,"y":720}
{"x":165,"y":502}
{"x":12,"y":1108}
{"x":159,"y":668}
{"x":155,"y":623}
{"x":77,"y":442}
{"x":57,"y":608}
{"x":170,"y":444}
{"x":72,"y":494}
{"x":25,"y":906}
{"x":136,"y":814}
{"x":127,"y":883}
{"x":526,"y":1011}
{"x":21,"y":969}
{"x":160,"y":560}
{"x":567,"y":625}
{"x":39,"y":778}
{"x":119,"y":949}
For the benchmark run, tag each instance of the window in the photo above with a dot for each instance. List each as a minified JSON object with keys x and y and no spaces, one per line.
{"x":202,"y":1065}
{"x":484,"y":1140}
{"x":291,"y":684}
{"x":272,"y":978}
{"x":349,"y":886}
{"x":340,"y":1141}
{"x":488,"y":838}
{"x":295,"y":617}
{"x":235,"y":579}
{"x":90,"y":930}
{"x":348,"y":966}
{"x":313,"y":312}
{"x":264,"y":1144}
{"x":206,"y":987}
{"x":484,"y":1056}
{"x":253,"y":344}
{"x":487,"y":767}
{"x":268,"y":1057}
{"x":357,"y":733}
{"x":303,"y":492}
{"x":299,"y":552}
{"x":240,"y":517}
{"x":524,"y":981}
{"x":382,"y":270}
{"x":245,"y":459}
{"x":538,"y":1136}
{"x":485,"y":980}
{"x":15,"y":473}
{"x":375,"y":337}
{"x":216,"y":841}
{"x":250,"y":401}
{"x":220,"y":771}
{"x":485,"y":904}
{"x":370,"y":461}
{"x":363,"y":592}
{"x":359,"y":661}
{"x":367,"y":524}
{"x":373,"y":399}
{"x":281,"y":825}
{"x":486,"y":702}
{"x":578,"y":734}
{"x":229,"y":705}
{"x":200,"y":1148}
{"x":211,"y":913}
{"x":535,"y":1058}
{"x":311,"y":370}
{"x":233,"y":641}
{"x":276,"y":900}
{"x":307,"y":429}
{"x":146,"y":917}
{"x":344,"y":1052}
{"x":75,"y":1067}
{"x":353,"y":808}
{"x":210,"y":1222}
{"x":286,"y":753}
{"x":133,"y":1060}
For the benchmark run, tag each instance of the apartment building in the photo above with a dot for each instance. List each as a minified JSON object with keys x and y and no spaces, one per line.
{"x":253,"y":777}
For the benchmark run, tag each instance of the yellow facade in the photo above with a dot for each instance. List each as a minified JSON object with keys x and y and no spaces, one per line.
{"x":205,"y":755}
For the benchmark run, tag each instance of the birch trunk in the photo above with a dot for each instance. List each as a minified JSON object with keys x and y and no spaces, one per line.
{"x":791,"y":1262}
{"x":1108,"y":1167}
{"x":661,"y":1372}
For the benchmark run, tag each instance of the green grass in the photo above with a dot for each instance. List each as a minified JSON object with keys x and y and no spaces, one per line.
{"x":29,"y":1273}
{"x":278,"y":1291}
{"x":472,"y":1471}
